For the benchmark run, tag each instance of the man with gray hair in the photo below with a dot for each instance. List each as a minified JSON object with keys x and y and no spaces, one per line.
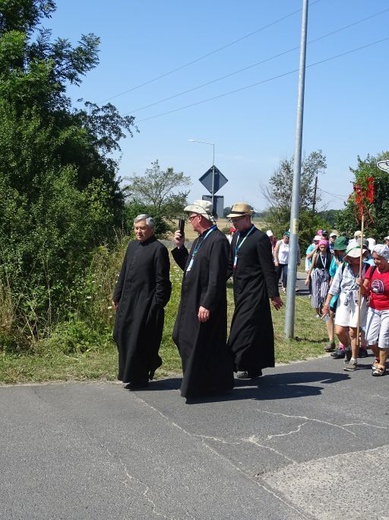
{"x":142,"y":291}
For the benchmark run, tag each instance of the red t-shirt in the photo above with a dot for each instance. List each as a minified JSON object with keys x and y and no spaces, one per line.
{"x":379,"y":289}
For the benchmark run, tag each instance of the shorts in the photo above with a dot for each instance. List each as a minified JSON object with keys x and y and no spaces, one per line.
{"x":347,"y":314}
{"x":377,"y":328}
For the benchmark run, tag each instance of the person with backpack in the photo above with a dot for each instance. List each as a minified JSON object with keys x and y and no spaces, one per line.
{"x":351,"y":310}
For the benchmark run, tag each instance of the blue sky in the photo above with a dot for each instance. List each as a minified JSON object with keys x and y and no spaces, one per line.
{"x":152,"y":50}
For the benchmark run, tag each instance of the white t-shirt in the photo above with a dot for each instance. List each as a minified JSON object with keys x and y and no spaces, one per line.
{"x":283,"y":253}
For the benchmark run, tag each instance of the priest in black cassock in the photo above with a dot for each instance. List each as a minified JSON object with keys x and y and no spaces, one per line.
{"x":200,"y":331}
{"x":251,"y":340}
{"x":142,"y":291}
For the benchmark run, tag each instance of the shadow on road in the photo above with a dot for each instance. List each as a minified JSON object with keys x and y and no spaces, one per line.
{"x":269,"y":387}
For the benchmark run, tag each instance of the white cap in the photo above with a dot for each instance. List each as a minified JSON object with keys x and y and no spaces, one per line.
{"x":269,"y":233}
{"x":372,"y":243}
{"x":201,"y":207}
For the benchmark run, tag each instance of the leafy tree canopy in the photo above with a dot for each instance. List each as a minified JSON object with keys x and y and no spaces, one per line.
{"x":279,"y":191}
{"x":59,"y":192}
{"x":376,"y":214}
{"x":279,"y":196}
{"x":159,"y":191}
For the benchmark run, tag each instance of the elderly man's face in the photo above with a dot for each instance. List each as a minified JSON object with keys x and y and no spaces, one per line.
{"x":143,"y":231}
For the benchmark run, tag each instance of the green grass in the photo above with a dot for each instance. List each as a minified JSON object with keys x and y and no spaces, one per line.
{"x":99,"y":359}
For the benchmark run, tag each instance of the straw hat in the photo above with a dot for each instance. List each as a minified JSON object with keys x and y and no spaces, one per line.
{"x":240,"y":209}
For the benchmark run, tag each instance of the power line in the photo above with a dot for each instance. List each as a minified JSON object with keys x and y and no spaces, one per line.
{"x":265,"y":80}
{"x":336,"y":196}
{"x":249,"y":35}
{"x":331,"y":33}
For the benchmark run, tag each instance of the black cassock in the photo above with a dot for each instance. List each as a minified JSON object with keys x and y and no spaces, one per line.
{"x":251,"y":340}
{"x":206,"y":362}
{"x":142,"y":291}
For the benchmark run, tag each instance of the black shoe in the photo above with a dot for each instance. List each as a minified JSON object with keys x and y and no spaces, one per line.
{"x":347,"y":352}
{"x":338,"y":354}
{"x":254,"y":375}
{"x":138,"y":385}
{"x":363,"y":353}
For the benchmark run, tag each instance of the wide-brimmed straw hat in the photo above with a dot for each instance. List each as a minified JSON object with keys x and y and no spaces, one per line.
{"x":240,"y":209}
{"x":201,"y":207}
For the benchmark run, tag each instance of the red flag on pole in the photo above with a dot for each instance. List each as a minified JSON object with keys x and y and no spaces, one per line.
{"x":364,"y":195}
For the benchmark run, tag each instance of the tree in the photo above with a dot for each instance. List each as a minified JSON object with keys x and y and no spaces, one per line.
{"x":377,"y":213}
{"x":159,"y":191}
{"x":279,"y":191}
{"x":279,"y":196}
{"x":59,"y":192}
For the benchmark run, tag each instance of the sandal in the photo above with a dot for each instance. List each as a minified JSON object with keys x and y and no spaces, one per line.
{"x":378,"y":371}
{"x":375,"y":364}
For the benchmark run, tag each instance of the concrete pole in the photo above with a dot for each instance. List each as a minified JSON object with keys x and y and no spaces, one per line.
{"x":295,"y":209}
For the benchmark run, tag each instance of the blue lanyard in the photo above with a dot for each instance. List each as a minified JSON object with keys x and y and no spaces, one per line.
{"x":197,"y":247}
{"x":237,"y":247}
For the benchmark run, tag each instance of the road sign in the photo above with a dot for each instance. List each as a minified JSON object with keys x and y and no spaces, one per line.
{"x":218,"y":203}
{"x":219,"y":180}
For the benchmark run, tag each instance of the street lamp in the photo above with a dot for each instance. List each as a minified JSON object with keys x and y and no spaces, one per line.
{"x":213,"y":169}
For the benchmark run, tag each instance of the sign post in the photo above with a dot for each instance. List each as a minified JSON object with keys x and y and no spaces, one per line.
{"x":213,"y":180}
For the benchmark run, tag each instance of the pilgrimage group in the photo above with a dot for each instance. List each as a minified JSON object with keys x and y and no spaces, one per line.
{"x":348,"y":283}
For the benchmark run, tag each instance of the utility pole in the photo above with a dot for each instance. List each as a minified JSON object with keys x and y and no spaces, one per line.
{"x":295,"y":209}
{"x":314,"y":194}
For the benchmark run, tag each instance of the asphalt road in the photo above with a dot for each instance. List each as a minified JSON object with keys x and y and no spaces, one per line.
{"x":305,"y":441}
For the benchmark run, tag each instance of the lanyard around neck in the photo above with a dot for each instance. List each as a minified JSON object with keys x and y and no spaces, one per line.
{"x":238,"y":246}
{"x":197,"y":247}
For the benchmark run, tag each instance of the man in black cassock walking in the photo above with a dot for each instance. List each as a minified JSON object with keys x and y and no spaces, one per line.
{"x":142,"y":291}
{"x":200,"y":331}
{"x":251,"y":340}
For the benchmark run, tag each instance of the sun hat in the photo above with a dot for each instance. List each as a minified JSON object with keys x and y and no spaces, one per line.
{"x":386,"y":238}
{"x":334,"y":233}
{"x":354,"y":251}
{"x":286,"y":234}
{"x":382,"y":250}
{"x":317,"y":238}
{"x":240,"y":209}
{"x":323,"y":242}
{"x":341,"y":244}
{"x":365,"y":242}
{"x":269,"y":233}
{"x":202,"y":207}
{"x":357,"y":234}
